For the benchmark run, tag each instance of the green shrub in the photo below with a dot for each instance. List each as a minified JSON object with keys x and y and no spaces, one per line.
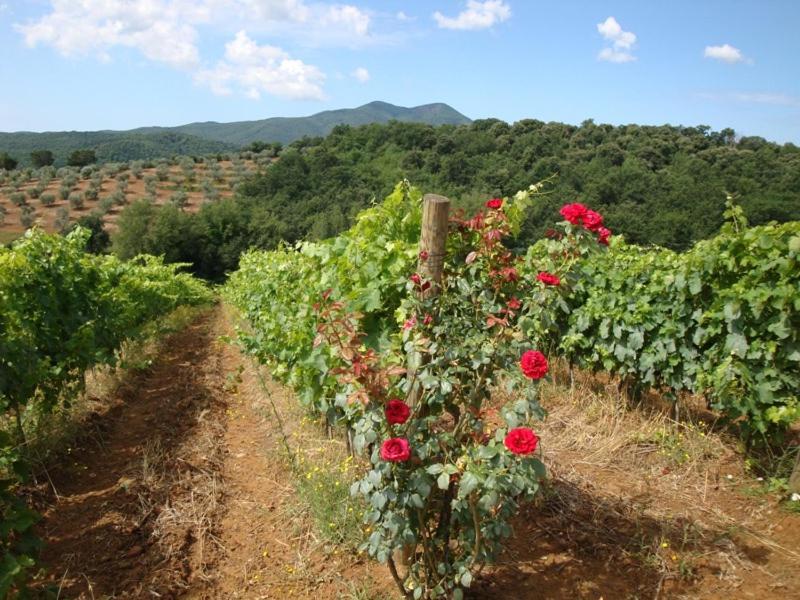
{"x":76,"y":200}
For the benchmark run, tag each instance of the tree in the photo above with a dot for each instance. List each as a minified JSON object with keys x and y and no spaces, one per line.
{"x":61,"y":221}
{"x":42,"y":158}
{"x":7,"y":162}
{"x":81,"y":158}
{"x":98,"y":240}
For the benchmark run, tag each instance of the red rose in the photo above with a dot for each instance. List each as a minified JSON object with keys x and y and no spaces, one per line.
{"x":494,"y":203}
{"x":592,"y":220}
{"x":395,"y":450}
{"x":533,"y":364}
{"x":548,"y":278}
{"x":602,"y":235}
{"x":423,"y":256}
{"x":514,"y":304}
{"x":573,"y":213}
{"x":397,"y":412}
{"x":521,"y":440}
{"x":415,"y":278}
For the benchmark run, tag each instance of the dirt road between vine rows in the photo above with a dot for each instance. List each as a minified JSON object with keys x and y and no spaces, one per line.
{"x":179,"y":486}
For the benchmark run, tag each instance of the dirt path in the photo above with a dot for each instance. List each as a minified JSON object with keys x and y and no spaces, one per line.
{"x":138,"y":493}
{"x":183,"y":487}
{"x":180,"y":488}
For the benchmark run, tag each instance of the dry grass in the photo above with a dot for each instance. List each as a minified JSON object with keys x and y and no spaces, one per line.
{"x":667,"y":493}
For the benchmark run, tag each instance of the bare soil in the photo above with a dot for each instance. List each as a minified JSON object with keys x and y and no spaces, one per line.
{"x":180,"y":488}
{"x":45,"y":215}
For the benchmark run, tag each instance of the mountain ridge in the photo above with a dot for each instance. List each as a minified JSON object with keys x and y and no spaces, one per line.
{"x":289,"y":129}
{"x":209,"y":137}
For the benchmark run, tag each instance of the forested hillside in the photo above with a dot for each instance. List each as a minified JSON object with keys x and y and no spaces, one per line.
{"x":197,"y":139}
{"x":289,"y":129}
{"x":656,"y":185}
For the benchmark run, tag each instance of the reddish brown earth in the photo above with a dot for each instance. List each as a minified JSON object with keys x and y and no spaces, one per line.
{"x":179,"y":488}
{"x":45,"y":215}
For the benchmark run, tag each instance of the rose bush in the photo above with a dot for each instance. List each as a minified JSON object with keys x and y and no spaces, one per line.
{"x":409,"y":365}
{"x":448,"y":471}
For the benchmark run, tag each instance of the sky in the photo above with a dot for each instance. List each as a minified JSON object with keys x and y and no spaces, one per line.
{"x":119,"y":64}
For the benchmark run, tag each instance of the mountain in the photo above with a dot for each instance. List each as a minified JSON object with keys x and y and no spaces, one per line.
{"x":289,"y":129}
{"x":212,"y":137}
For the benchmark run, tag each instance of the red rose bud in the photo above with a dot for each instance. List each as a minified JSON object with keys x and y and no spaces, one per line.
{"x":494,"y":203}
{"x":514,"y":304}
{"x":415,"y":278}
{"x":425,"y":286}
{"x":548,"y":278}
{"x":423,"y":256}
{"x":397,"y":412}
{"x":395,"y":450}
{"x":427,"y":320}
{"x":592,"y":220}
{"x":533,"y":364}
{"x":602,"y":235}
{"x":521,"y":440}
{"x":573,"y":213}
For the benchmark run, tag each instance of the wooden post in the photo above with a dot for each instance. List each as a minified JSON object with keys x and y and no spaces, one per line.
{"x":794,"y":480}
{"x":433,"y":239}
{"x":433,"y":242}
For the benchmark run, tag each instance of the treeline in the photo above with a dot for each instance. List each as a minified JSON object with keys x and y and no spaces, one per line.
{"x":655,"y":185}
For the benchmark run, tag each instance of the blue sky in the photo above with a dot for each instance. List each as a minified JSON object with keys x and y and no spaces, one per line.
{"x":117,"y":64}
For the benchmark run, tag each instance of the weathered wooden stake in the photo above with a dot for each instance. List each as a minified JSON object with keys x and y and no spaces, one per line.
{"x":794,"y":480}
{"x":433,"y":240}
{"x":432,"y":245}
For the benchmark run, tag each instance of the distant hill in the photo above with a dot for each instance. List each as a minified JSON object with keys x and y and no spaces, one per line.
{"x":211,"y":137}
{"x":289,"y":129}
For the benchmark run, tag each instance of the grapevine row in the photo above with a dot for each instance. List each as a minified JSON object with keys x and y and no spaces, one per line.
{"x":63,"y":311}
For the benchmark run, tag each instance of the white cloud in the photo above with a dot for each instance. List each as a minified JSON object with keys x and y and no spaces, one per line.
{"x":615,"y":56}
{"x":622,"y":42}
{"x":160,"y":30}
{"x":477,"y":15}
{"x":348,"y":19}
{"x":401,"y":16}
{"x":361,"y":74}
{"x":725,"y":53}
{"x":167,"y":30}
{"x":254,"y":69}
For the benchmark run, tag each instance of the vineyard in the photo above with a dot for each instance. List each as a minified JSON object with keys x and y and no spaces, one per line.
{"x":64,"y":312}
{"x":404,"y":358}
{"x":581,"y":418}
